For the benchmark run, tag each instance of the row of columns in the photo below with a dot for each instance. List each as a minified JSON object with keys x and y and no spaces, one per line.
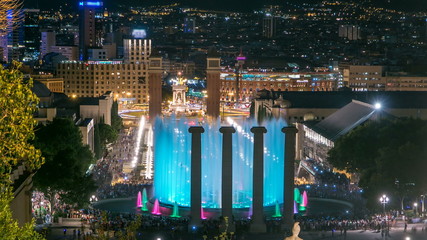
{"x":258,"y":224}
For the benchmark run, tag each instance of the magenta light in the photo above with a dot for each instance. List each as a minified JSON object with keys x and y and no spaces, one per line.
{"x":139,"y":200}
{"x":240,"y":58}
{"x":304,"y":199}
{"x":251,"y":211}
{"x":156,"y":208}
{"x":202,"y":213}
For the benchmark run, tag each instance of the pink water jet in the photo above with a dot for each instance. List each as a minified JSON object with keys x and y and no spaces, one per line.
{"x":304,"y":199}
{"x":139,"y":200}
{"x":202,"y":213}
{"x":156,"y":208}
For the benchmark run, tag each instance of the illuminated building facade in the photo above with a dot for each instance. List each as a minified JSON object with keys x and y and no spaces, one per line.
{"x":137,"y":50}
{"x":251,"y":82}
{"x":406,"y":83}
{"x":364,"y":77}
{"x":127,"y":81}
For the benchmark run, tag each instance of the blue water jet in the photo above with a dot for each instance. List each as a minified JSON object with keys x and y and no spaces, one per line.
{"x":172,"y":165}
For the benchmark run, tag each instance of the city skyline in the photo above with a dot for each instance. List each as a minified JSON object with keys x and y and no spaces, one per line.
{"x":234,"y":5}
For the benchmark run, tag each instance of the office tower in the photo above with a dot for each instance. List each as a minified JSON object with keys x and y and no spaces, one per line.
{"x":136,"y":50}
{"x":48,"y":41}
{"x":13,"y":39}
{"x":351,"y":32}
{"x":189,"y":25}
{"x":269,"y":26}
{"x":31,"y":35}
{"x":87,"y":32}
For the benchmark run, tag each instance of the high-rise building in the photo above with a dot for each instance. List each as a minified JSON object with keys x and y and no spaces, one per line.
{"x":13,"y":42}
{"x":31,"y":35}
{"x":48,"y":41}
{"x":351,"y":32}
{"x":136,"y":50}
{"x":269,"y":26}
{"x":189,"y":25}
{"x":87,"y":32}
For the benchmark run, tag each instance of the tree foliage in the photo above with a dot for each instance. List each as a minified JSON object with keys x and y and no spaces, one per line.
{"x":98,"y":147}
{"x":17,"y":104}
{"x":116,"y":120}
{"x":389,"y":155}
{"x":67,"y":161}
{"x":107,"y":134}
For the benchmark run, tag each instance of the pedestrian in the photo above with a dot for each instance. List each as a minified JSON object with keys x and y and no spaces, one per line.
{"x":65,"y":231}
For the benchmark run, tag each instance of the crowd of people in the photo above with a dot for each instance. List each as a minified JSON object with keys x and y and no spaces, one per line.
{"x":108,"y":172}
{"x":120,"y":190}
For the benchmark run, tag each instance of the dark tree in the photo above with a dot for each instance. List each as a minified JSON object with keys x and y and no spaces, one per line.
{"x":107,"y":133}
{"x":389,"y":156}
{"x":67,"y":161}
{"x":116,"y":120}
{"x":98,"y":147}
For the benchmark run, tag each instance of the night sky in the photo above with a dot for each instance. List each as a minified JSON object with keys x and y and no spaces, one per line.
{"x":238,"y":5}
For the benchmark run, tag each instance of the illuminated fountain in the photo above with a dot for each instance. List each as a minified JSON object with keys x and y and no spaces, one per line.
{"x":172,"y":144}
{"x":277,"y":210}
{"x":179,"y":89}
{"x":144,"y":200}
{"x":202,"y":213}
{"x":295,"y":208}
{"x":175,"y":213}
{"x":156,"y":208}
{"x":297,"y":196}
{"x":139,"y":200}
{"x":304,"y":202}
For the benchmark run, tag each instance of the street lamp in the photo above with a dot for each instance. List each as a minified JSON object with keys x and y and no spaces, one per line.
{"x":416,"y":208}
{"x":384,"y":200}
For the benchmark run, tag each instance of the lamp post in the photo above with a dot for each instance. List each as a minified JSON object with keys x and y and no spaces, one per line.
{"x":384,"y":200}
{"x":92,"y":199}
{"x":416,"y":208}
{"x":422,"y":205}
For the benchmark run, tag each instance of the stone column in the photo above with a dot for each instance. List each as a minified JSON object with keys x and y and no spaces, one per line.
{"x":227,"y":175}
{"x":258,"y":224}
{"x":288,"y":192}
{"x":155,"y":71}
{"x":196,"y":176}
